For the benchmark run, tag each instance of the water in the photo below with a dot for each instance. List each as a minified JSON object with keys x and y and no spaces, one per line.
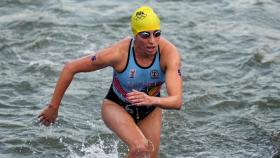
{"x":230,"y":65}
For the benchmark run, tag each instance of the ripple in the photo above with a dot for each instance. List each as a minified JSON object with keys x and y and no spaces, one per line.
{"x":275,"y":138}
{"x":21,"y":150}
{"x":10,"y":124}
{"x":228,"y":106}
{"x":268,"y":102}
{"x":45,"y":67}
{"x":230,"y":63}
{"x":21,"y":87}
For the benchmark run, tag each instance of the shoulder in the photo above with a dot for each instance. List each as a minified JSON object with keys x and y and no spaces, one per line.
{"x":114,"y":53}
{"x":120,"y":52}
{"x":166,"y":47}
{"x":123,"y":43}
{"x":168,"y":51}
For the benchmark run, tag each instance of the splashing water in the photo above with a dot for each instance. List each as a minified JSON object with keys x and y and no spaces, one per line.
{"x":96,"y":150}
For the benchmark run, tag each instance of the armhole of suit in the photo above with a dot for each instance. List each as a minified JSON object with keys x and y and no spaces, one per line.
{"x":158,"y":53}
{"x":159,"y":60}
{"x":129,"y":47}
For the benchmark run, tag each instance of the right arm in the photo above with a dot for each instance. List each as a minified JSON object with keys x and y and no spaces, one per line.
{"x":102,"y":59}
{"x":85,"y":64}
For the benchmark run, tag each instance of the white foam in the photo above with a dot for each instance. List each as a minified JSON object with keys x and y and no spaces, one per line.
{"x":96,"y":151}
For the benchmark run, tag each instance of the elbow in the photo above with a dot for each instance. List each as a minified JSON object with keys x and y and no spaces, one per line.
{"x":178,"y":105}
{"x":69,"y":68}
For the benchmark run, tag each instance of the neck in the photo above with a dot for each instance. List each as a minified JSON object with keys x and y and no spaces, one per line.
{"x":141,"y":53}
{"x":143,"y":58}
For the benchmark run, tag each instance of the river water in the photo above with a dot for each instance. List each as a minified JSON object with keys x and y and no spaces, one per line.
{"x":230,"y":67}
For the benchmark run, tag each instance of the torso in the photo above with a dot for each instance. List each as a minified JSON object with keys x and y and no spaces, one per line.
{"x":132,"y":74}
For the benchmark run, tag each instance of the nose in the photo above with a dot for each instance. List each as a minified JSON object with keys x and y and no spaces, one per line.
{"x":151,"y":39}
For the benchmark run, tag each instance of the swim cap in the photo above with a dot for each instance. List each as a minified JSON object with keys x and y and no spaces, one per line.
{"x":144,"y":19}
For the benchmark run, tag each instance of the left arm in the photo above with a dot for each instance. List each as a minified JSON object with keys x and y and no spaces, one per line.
{"x":173,"y":81}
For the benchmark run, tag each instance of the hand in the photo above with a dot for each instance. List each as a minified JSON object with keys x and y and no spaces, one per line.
{"x":139,"y":98}
{"x":48,"y":115}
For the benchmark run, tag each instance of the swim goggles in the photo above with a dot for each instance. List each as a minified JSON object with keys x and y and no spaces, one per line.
{"x":146,"y":34}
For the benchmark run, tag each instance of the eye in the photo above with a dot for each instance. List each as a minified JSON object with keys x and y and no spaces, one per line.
{"x":144,"y":34}
{"x":157,"y":33}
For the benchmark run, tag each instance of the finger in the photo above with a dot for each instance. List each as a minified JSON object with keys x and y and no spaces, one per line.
{"x":134,"y":90}
{"x":41,"y":115}
{"x":132,"y":97}
{"x":135,"y":97}
{"x":141,"y":101}
{"x":47,"y":123}
{"x":138,"y":101}
{"x":44,"y":119}
{"x":41,"y":118}
{"x":131,"y":94}
{"x":52,"y":120}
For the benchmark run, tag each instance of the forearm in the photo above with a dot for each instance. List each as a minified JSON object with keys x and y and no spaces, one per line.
{"x":62,"y":84}
{"x":169,"y":102}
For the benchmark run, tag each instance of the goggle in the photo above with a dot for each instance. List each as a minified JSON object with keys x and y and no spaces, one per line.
{"x":146,"y":34}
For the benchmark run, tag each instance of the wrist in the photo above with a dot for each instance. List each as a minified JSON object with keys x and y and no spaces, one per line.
{"x":53,"y":106}
{"x":156,"y":101}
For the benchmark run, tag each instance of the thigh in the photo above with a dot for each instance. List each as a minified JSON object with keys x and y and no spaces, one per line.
{"x":151,"y":128}
{"x":122,"y":124}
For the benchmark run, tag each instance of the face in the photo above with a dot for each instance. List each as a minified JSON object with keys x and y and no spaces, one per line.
{"x":147,"y":41}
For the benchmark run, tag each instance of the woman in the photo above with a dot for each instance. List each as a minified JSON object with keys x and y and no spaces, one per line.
{"x":132,"y":107}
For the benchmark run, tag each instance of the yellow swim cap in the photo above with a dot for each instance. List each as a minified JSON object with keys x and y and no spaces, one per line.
{"x":144,"y":19}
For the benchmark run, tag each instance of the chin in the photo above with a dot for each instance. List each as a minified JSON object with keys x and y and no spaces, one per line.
{"x":151,"y":52}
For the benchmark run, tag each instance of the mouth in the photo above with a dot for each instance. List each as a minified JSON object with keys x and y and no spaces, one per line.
{"x":151,"y":48}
